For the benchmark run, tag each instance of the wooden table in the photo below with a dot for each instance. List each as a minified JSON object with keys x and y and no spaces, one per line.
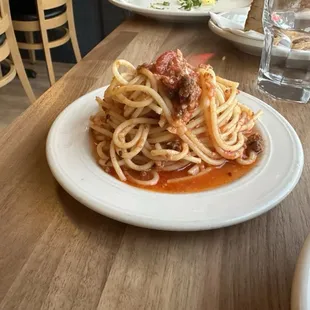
{"x":57,"y":254}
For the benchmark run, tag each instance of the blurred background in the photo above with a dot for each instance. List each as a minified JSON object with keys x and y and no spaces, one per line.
{"x":94,"y":20}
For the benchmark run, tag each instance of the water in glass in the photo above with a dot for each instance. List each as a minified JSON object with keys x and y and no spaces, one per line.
{"x":285,"y":63}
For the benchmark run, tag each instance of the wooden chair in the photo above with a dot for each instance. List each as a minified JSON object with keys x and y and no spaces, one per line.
{"x":8,"y":47}
{"x":51,"y":14}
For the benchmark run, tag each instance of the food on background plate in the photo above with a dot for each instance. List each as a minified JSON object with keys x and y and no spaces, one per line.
{"x":189,"y":4}
{"x":298,"y":40}
{"x":160,"y":5}
{"x":255,"y":16}
{"x":167,"y":122}
{"x":184,"y":4}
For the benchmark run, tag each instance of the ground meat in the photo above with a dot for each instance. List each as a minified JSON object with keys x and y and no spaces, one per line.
{"x":255,"y":143}
{"x":170,"y":66}
{"x":187,"y":98}
{"x":180,"y":82}
{"x":182,"y":114}
{"x":189,"y":92}
{"x":175,"y":145}
{"x":170,"y":93}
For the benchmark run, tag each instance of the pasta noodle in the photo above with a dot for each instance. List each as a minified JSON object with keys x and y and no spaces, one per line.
{"x":139,"y":131}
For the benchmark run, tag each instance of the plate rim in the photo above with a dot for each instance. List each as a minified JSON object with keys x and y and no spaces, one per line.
{"x":236,"y":39}
{"x":153,"y":12}
{"x":224,"y":33}
{"x":129,"y":218}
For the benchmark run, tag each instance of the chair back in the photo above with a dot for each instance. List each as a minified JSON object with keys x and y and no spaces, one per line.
{"x":4,"y":25}
{"x":51,"y":4}
{"x":4,"y":17}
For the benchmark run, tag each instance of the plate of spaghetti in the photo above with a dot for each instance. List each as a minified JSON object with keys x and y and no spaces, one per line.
{"x":171,"y":146}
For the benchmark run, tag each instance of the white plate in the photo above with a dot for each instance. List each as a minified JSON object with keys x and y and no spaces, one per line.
{"x":301,"y":284}
{"x":173,"y":11}
{"x":234,"y":21}
{"x":246,"y":45}
{"x":71,"y":160}
{"x":254,"y":46}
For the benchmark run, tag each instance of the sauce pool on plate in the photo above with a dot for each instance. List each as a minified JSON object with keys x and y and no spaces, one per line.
{"x":218,"y":176}
{"x":226,"y":174}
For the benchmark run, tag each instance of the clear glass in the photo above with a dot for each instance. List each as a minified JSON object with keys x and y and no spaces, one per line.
{"x":284,"y":71}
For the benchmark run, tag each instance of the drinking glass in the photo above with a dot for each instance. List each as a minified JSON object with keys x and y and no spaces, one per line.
{"x":284,"y":71}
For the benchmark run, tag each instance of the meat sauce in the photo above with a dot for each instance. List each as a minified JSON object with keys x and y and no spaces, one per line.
{"x":217,"y":177}
{"x":226,"y":174}
{"x":179,"y":81}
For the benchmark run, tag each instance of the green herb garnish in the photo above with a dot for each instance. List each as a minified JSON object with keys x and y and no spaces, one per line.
{"x":155,"y":7}
{"x":189,"y":4}
{"x":165,"y":3}
{"x":161,"y":4}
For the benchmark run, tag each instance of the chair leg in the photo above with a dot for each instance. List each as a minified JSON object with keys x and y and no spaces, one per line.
{"x":18,"y":63}
{"x":48,"y":57}
{"x":46,"y":48}
{"x":72,"y":31}
{"x":15,"y":56}
{"x":30,"y":39}
{"x":19,"y":66}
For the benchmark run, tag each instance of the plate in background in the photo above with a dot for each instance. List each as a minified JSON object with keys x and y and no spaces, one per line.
{"x":173,"y":11}
{"x":254,"y":47}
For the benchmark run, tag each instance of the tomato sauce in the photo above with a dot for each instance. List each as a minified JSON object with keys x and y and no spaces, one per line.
{"x":228,"y":173}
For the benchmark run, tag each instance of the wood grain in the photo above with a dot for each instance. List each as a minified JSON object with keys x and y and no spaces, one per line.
{"x":13,"y":99}
{"x":57,"y":254}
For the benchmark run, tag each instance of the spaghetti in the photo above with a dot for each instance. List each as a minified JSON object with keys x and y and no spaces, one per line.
{"x":169,"y":116}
